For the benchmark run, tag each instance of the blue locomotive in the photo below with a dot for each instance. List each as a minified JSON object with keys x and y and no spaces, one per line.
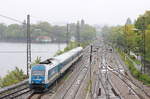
{"x":44,"y":74}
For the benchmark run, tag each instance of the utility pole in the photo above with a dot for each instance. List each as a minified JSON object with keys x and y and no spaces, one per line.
{"x":144,"y":51}
{"x":78,"y":33}
{"x":126,"y":41}
{"x":91,"y":71}
{"x":143,"y":46}
{"x":67,"y":35}
{"x":28,"y":45}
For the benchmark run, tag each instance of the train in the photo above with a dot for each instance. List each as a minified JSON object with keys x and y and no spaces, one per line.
{"x":44,"y":74}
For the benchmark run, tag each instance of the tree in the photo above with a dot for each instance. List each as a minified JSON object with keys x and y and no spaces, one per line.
{"x":128,"y":22}
{"x":3,"y":28}
{"x":14,"y":31}
{"x":41,"y":29}
{"x":87,"y":32}
{"x":143,"y":21}
{"x":143,"y":24}
{"x":131,"y":37}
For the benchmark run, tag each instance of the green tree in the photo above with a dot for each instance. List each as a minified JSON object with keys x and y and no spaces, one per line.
{"x":14,"y":31}
{"x":143,"y":21}
{"x":87,"y":32}
{"x":41,"y":29}
{"x":3,"y":28}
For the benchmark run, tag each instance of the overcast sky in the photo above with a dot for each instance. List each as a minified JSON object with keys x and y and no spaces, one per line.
{"x":111,"y":12}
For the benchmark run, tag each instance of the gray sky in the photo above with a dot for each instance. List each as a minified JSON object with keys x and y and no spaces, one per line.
{"x":111,"y":12}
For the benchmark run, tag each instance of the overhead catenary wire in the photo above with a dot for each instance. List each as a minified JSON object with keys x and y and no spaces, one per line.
{"x":10,"y":18}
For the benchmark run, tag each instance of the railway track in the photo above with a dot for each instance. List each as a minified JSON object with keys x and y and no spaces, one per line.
{"x":124,"y":76}
{"x":54,"y":87}
{"x":118,"y":70}
{"x":103,"y":89}
{"x":115,"y":70}
{"x":22,"y":90}
{"x":103,"y":75}
{"x":73,"y":87}
{"x":106,"y":70}
{"x":131,"y":85}
{"x":131,"y":79}
{"x":77,"y":69}
{"x":16,"y":94}
{"x":35,"y":96}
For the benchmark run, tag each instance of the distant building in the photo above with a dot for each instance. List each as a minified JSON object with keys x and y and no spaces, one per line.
{"x":43,"y":39}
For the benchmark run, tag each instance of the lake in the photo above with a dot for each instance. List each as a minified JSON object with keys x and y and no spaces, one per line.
{"x":14,"y":54}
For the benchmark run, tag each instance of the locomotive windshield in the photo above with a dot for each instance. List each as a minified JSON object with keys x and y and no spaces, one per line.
{"x":38,"y":72}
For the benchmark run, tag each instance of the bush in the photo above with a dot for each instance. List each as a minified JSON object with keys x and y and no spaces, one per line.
{"x":145,"y":78}
{"x":12,"y":77}
{"x":136,"y":73}
{"x":133,"y":57}
{"x":36,"y":61}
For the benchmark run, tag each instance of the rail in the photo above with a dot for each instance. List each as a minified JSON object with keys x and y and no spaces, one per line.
{"x":14,"y":89}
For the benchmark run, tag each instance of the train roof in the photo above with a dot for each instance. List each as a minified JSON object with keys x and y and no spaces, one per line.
{"x":64,"y":56}
{"x":52,"y":62}
{"x":49,"y":63}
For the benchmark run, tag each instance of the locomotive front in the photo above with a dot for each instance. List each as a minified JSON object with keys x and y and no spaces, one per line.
{"x":37,"y":77}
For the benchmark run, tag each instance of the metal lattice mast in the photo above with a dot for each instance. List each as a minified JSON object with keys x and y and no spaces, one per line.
{"x":78,"y":33}
{"x":28,"y":45}
{"x":144,"y":50}
{"x":67,"y":35}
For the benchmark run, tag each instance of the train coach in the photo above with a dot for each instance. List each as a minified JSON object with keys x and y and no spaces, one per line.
{"x":44,"y":74}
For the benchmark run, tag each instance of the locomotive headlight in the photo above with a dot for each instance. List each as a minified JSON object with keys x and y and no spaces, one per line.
{"x":43,"y":81}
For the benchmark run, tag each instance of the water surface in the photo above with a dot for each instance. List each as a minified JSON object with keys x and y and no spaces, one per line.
{"x":14,"y":54}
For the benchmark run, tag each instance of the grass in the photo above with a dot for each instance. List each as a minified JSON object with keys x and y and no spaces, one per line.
{"x":66,"y":76}
{"x":89,"y":85}
{"x":136,"y":73}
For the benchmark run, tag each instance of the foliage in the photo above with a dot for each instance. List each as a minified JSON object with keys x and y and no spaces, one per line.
{"x":37,"y":61}
{"x":130,"y":37}
{"x":12,"y":77}
{"x":143,"y":24}
{"x":87,"y":33}
{"x":16,"y":32}
{"x":143,"y":21}
{"x":147,"y":44}
{"x":3,"y":28}
{"x":136,"y":73}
